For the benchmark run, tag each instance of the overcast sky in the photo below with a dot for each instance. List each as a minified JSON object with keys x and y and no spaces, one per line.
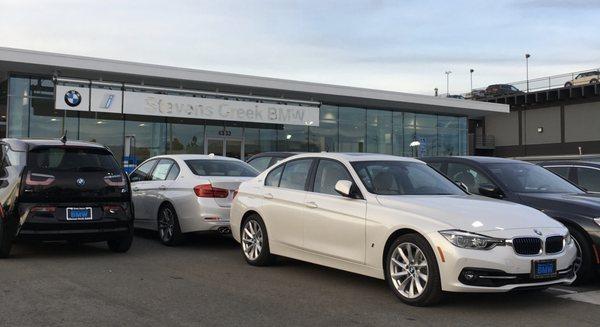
{"x":400,"y":45}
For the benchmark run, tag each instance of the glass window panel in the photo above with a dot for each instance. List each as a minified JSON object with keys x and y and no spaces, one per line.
{"x":185,"y":137}
{"x":292,"y":138}
{"x":589,"y":179}
{"x":560,"y":171}
{"x":379,"y":131}
{"x":150,"y":136}
{"x":352,"y":129}
{"x":106,"y":129}
{"x":398,"y":133}
{"x":251,"y":142}
{"x":426,"y":129}
{"x":162,"y":170}
{"x":274,"y":176}
{"x":295,"y":174}
{"x":410,"y":135}
{"x":462,"y":136}
{"x":173,"y":173}
{"x":42,"y":87}
{"x":260,"y":163}
{"x":448,"y":133}
{"x":471,"y":177}
{"x":325,"y":136}
{"x":18,"y":117}
{"x":47,"y":122}
{"x":19,"y":86}
{"x":328,"y":174}
{"x":268,"y":140}
{"x":142,"y":173}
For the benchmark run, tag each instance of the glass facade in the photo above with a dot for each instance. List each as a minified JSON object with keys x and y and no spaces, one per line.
{"x":29,"y":102}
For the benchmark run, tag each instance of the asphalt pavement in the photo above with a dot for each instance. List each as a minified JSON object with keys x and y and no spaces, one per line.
{"x":206,"y":282}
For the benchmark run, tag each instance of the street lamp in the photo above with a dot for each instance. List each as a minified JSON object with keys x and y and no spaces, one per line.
{"x":471,"y":71}
{"x":447,"y":82}
{"x":527,"y":55}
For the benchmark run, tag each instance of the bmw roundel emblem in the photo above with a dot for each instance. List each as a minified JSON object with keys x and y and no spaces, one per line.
{"x":72,"y":98}
{"x":537,"y":232}
{"x":80,"y":181}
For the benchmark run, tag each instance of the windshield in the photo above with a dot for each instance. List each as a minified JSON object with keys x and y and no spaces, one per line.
{"x":68,"y":159}
{"x":213,"y":167}
{"x":528,"y":178}
{"x":403,"y":178}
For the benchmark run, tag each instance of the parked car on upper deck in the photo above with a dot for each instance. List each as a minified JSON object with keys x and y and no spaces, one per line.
{"x":496,"y":90}
{"x":179,"y":194}
{"x":397,"y":219}
{"x":534,"y":186}
{"x":582,"y":173}
{"x":63,"y":190}
{"x":584,"y":78}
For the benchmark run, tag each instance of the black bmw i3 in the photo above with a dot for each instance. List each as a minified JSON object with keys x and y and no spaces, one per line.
{"x":63,"y":190}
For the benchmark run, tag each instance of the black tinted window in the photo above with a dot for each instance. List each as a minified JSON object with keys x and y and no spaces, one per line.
{"x":216,"y":167}
{"x":560,"y":171}
{"x":295,"y":174}
{"x":69,"y":159}
{"x":142,"y":172}
{"x":261,"y":163}
{"x":328,"y":174}
{"x":173,"y":173}
{"x":589,"y":179}
{"x":528,"y":178}
{"x":274,"y":176}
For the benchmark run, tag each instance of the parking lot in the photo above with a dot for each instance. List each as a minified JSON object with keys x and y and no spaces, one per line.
{"x":205,"y":282}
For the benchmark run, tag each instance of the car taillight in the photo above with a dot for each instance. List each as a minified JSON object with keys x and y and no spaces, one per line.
{"x":36,"y":179}
{"x":208,"y":191}
{"x":112,"y":209}
{"x":114,"y":180}
{"x":43,"y":209}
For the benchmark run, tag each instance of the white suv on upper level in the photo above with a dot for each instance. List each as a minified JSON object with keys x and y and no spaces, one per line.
{"x":584,"y":78}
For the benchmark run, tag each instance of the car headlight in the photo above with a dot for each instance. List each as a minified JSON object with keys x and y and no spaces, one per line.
{"x":473,"y":241}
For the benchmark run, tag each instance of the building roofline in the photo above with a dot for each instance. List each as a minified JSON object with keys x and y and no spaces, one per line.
{"x":74,"y":62}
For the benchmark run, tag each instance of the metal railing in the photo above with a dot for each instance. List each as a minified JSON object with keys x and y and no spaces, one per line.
{"x":536,"y":84}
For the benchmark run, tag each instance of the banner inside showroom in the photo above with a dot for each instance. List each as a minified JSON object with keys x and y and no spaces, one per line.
{"x":151,"y":104}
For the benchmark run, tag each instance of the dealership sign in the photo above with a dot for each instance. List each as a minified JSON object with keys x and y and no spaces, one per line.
{"x":150,"y":104}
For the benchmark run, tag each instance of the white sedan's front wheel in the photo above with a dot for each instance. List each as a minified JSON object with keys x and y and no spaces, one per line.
{"x":412,"y":271}
{"x":255,"y":242}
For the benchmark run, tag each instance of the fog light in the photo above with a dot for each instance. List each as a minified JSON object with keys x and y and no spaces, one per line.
{"x":469,"y":275}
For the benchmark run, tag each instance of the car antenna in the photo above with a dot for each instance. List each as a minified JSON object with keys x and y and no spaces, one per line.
{"x":63,"y":138}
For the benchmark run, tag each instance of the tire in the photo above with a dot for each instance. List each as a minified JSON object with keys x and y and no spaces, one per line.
{"x":254,"y":242}
{"x":401,"y":278}
{"x":6,"y":239}
{"x":568,"y":84}
{"x":583,"y":262}
{"x":169,"y":230}
{"x":122,"y":244}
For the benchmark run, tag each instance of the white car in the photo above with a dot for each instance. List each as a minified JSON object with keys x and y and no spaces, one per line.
{"x":178,"y":194}
{"x":397,"y":219}
{"x":591,"y":77}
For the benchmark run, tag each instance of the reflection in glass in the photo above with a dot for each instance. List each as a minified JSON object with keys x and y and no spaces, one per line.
{"x":47,"y":122}
{"x":426,"y":128}
{"x":448,"y":136}
{"x":150,"y":136}
{"x":292,"y":138}
{"x":185,"y":137}
{"x":352,"y":129}
{"x":325,"y":136}
{"x":379,"y":131}
{"x":398,"y":133}
{"x":106,"y":129}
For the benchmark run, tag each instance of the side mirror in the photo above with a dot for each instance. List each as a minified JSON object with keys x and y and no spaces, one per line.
{"x":491,"y":191}
{"x":463,"y":186}
{"x":344,"y":187}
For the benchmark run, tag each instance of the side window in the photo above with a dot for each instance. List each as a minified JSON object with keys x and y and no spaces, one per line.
{"x":173,"y":173}
{"x":436,"y":165}
{"x":589,"y":179}
{"x":560,"y":171}
{"x":274,"y":176}
{"x":295,"y":174}
{"x":161,"y":170}
{"x":467,"y":175}
{"x":142,"y":172}
{"x":328,"y":173}
{"x":261,"y":163}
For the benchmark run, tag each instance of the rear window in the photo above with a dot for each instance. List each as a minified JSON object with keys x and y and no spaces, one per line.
{"x":72,"y":159}
{"x":221,"y":168}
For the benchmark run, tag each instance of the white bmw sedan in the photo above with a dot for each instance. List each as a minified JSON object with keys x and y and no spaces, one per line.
{"x":178,"y":194}
{"x":397,"y":219}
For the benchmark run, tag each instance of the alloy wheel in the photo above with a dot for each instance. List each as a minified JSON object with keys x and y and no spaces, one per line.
{"x":578,"y":259}
{"x":166,"y":225}
{"x":252,"y":240}
{"x":409,"y":270}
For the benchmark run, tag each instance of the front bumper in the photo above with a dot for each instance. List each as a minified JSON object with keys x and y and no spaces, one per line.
{"x":497,"y":270}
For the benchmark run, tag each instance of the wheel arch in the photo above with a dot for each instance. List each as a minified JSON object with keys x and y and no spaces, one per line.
{"x":393,"y":236}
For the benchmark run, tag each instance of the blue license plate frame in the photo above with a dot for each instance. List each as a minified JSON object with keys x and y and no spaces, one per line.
{"x":543,"y":269}
{"x":79,"y":213}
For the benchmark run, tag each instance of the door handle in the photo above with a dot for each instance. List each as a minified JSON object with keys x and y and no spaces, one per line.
{"x":136,"y":189}
{"x":311,"y":205}
{"x":268,"y":196}
{"x":162,"y":187}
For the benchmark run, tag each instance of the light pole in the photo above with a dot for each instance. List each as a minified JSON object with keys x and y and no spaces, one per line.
{"x":527,"y":55}
{"x":447,"y":82}
{"x":471,"y":71}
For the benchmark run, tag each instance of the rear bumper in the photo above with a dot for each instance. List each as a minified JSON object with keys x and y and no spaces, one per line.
{"x":202,"y":214}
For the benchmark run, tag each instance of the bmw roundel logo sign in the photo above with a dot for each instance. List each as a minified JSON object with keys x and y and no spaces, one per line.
{"x":80,"y":181}
{"x":72,"y":98}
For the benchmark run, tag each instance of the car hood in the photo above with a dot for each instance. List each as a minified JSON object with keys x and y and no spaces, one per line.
{"x":579,"y":204}
{"x":470,"y":212}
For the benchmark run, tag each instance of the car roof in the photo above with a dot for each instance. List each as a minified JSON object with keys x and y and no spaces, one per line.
{"x":274,"y":154}
{"x":23,"y":144}
{"x":194,"y":157}
{"x":570,"y":163}
{"x":478,"y":159}
{"x":354,"y":156}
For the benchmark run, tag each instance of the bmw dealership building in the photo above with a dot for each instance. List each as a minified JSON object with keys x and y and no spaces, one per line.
{"x":141,"y":110}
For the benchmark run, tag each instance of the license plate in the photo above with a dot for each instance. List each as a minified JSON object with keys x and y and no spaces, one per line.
{"x":79,"y":213}
{"x":543,"y":268}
